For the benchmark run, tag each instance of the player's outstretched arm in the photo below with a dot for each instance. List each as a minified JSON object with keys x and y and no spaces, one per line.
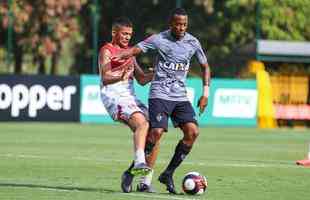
{"x":203,"y":100}
{"x":133,"y":51}
{"x":105,"y":70}
{"x":142,"y":77}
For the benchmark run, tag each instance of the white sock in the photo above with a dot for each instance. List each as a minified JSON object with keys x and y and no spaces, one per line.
{"x":139,"y":156}
{"x":147,"y":180}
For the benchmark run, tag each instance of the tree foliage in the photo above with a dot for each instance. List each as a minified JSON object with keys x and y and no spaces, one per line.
{"x":232,"y":24}
{"x":40,"y":28}
{"x":285,"y":19}
{"x":223,"y":26}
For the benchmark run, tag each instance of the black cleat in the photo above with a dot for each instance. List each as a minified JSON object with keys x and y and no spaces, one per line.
{"x":168,"y":181}
{"x":140,"y":169}
{"x":142,"y":187}
{"x":126,"y":183}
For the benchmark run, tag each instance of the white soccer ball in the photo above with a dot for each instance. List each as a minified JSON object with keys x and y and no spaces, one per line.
{"x":194,"y":183}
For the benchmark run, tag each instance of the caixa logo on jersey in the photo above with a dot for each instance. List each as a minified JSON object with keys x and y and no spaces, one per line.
{"x":39,"y":98}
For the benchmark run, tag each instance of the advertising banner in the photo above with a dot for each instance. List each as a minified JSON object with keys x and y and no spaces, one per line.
{"x":232,"y":102}
{"x":292,"y":112}
{"x":92,"y":109}
{"x":39,"y":98}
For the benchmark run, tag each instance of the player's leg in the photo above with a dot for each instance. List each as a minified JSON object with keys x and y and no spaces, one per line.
{"x":151,"y":151}
{"x":134,"y":114}
{"x":158,"y":115}
{"x":183,"y":116}
{"x":152,"y":156}
{"x":190,"y":131}
{"x":138,"y":123}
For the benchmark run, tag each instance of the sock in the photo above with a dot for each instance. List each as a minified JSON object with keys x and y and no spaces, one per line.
{"x":139,"y":156}
{"x":148,"y":148}
{"x":147,"y":180}
{"x":181,"y":150}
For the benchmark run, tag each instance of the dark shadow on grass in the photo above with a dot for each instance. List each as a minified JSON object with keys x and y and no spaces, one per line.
{"x":83,"y":189}
{"x":66,"y":188}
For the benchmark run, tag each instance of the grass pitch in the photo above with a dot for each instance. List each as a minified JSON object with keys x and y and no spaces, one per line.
{"x":54,"y":161}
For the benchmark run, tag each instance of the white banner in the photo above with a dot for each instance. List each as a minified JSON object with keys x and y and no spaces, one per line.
{"x":91,"y":101}
{"x":235,"y":103}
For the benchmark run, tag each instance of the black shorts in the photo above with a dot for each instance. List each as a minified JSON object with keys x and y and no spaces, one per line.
{"x":180,"y":112}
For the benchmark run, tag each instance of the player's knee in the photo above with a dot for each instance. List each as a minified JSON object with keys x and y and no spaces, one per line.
{"x":195,"y":134}
{"x":143,"y":125}
{"x":156,"y":134}
{"x":191,"y":134}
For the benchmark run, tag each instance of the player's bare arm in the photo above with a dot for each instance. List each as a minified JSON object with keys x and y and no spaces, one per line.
{"x":105,"y":69}
{"x":133,"y":51}
{"x":142,"y":77}
{"x":203,"y":101}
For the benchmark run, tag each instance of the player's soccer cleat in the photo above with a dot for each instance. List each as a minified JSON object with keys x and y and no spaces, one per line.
{"x":142,"y":187}
{"x":141,"y":169}
{"x":126,"y":183}
{"x":168,"y":181}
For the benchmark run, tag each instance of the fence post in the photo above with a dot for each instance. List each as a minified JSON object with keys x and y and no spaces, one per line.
{"x":10,"y":34}
{"x":95,"y":18}
{"x":258,"y":26}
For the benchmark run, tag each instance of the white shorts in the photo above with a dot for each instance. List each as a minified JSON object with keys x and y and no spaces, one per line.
{"x":120,"y":108}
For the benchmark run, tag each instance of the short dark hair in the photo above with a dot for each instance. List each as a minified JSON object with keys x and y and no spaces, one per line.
{"x":121,"y":21}
{"x":177,"y":11}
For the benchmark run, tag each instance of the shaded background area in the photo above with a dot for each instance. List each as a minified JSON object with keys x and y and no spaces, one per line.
{"x":63,"y":37}
{"x":46,"y":37}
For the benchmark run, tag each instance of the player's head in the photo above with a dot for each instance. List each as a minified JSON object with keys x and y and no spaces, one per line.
{"x":178,"y":22}
{"x":121,"y":31}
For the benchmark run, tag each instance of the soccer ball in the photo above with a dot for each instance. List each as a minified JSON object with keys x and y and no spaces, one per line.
{"x":195,"y":184}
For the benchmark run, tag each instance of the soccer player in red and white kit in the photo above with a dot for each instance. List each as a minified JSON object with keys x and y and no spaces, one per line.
{"x":118,"y":96}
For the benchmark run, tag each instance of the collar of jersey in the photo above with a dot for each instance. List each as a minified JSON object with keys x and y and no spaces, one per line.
{"x":174,"y":39}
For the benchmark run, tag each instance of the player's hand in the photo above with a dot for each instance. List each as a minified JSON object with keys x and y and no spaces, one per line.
{"x":202,"y":104}
{"x":151,"y":72}
{"x":125,"y":75}
{"x":127,"y":68}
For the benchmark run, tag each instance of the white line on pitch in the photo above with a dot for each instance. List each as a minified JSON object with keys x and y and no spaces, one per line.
{"x":212,"y":163}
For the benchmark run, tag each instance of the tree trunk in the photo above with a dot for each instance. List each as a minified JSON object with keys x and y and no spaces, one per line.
{"x":18,"y":54}
{"x":55,"y":60}
{"x":41,"y":61}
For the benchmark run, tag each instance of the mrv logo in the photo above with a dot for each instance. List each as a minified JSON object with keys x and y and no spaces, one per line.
{"x":235,"y":103}
{"x":35,"y":98}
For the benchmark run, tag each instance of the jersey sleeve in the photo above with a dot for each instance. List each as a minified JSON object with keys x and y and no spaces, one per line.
{"x":200,"y":54}
{"x":149,"y":43}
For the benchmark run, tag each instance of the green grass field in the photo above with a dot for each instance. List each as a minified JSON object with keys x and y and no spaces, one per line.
{"x":57,"y":161}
